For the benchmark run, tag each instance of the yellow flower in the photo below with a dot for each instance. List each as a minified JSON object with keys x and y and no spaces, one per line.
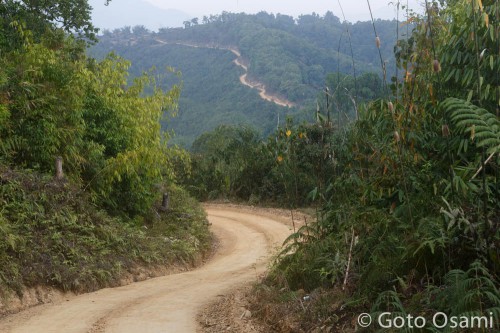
{"x":288,"y":133}
{"x":279,"y":158}
{"x":301,"y":135}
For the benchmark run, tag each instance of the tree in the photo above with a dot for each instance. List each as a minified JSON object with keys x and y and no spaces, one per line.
{"x":223,"y":162}
{"x":72,"y":16}
{"x":348,"y":94}
{"x":44,"y":101}
{"x":123,"y":123}
{"x":57,"y":102}
{"x":140,"y":30}
{"x":461,"y":47}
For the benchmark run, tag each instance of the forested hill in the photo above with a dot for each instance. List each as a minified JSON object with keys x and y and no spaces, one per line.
{"x":290,"y":57}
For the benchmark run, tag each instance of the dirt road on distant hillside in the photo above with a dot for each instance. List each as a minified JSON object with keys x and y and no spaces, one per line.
{"x":261,"y":88}
{"x":170,"y":303}
{"x":258,"y":85}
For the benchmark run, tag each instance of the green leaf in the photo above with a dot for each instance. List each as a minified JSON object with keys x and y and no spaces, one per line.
{"x":469,"y":96}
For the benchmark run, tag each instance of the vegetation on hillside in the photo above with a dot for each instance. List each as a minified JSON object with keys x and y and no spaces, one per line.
{"x":211,"y":91}
{"x":290,"y":58}
{"x":407,"y":195}
{"x":53,"y":235}
{"x":233,"y":162}
{"x":103,"y":217}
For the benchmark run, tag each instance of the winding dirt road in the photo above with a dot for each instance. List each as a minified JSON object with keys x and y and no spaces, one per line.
{"x":263,"y":93}
{"x":258,"y":85}
{"x":170,"y":303}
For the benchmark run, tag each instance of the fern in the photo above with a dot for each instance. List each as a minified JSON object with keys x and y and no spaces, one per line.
{"x":389,"y":301}
{"x":469,"y":293}
{"x":482,"y":125}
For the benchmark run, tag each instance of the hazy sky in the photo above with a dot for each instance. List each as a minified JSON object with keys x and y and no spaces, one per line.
{"x":355,"y":10}
{"x":155,"y":14}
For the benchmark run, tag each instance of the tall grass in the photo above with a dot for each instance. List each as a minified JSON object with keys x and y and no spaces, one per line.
{"x":51,"y":234}
{"x":420,"y":249}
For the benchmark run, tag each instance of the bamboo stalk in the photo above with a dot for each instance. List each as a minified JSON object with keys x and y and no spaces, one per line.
{"x":377,"y":42}
{"x":481,"y":167}
{"x":483,"y":151}
{"x":352,"y":52}
{"x":348,"y":261}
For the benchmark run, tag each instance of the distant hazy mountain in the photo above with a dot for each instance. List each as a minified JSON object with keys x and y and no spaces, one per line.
{"x":122,"y":13}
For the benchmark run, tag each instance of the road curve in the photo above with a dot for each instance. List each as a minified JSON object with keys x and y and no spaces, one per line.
{"x":257,"y":85}
{"x":169,"y":303}
{"x":261,"y":88}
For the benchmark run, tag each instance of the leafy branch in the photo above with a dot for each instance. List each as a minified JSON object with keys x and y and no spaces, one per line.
{"x":482,"y":125}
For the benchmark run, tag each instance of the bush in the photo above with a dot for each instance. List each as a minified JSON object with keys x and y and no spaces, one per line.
{"x":51,"y":234}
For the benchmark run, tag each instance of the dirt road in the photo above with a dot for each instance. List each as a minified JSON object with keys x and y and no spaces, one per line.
{"x":170,"y":303}
{"x":257,"y":85}
{"x":261,"y":88}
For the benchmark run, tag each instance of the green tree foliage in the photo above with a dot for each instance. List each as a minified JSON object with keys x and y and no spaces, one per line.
{"x":84,"y":231}
{"x":303,"y":161}
{"x":233,"y":162}
{"x":211,"y":91}
{"x":295,"y":160}
{"x":226,"y":162}
{"x":345,"y":93}
{"x":56,"y":102}
{"x":45,"y":92}
{"x":290,"y":57}
{"x":124,"y":126}
{"x":38,"y":17}
{"x":409,"y":218}
{"x":461,"y":49}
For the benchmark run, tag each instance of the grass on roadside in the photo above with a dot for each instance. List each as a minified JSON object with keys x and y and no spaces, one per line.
{"x":52,"y":234}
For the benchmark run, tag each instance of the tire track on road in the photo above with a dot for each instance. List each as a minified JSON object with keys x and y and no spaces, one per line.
{"x":169,"y":303}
